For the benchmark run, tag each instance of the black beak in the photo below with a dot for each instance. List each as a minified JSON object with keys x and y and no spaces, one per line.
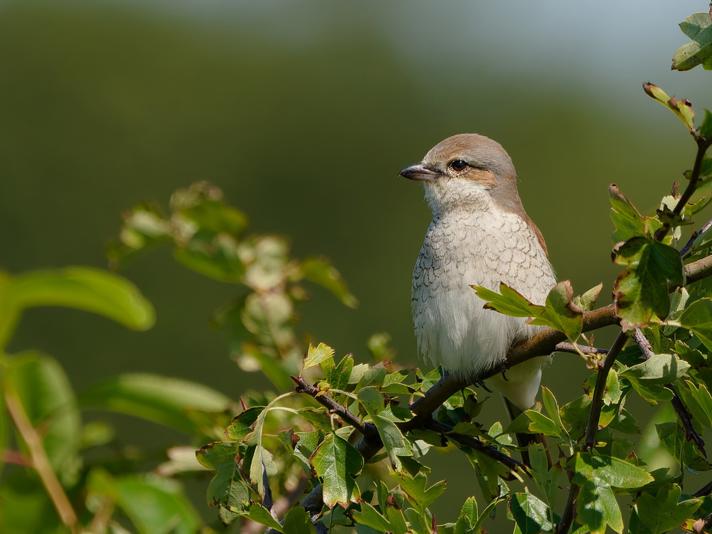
{"x":419,"y":172}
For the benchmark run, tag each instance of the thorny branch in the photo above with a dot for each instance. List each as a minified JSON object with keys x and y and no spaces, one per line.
{"x":567,"y":516}
{"x":682,"y":412}
{"x":542,"y":343}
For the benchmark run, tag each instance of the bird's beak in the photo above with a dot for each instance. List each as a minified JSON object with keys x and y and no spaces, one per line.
{"x":419,"y":172}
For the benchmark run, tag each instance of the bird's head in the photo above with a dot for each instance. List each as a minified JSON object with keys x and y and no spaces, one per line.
{"x":467,"y":171}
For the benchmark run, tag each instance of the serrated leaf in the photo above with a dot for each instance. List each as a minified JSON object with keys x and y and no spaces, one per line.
{"x":530,"y":513}
{"x":660,"y":368}
{"x":508,"y":301}
{"x":533,"y":422}
{"x":586,"y":300}
{"x":560,"y":312}
{"x":370,"y":517}
{"x":698,"y":51}
{"x":227,"y":489}
{"x":337,"y":463}
{"x":419,"y":491}
{"x":467,"y":519}
{"x":664,"y":511}
{"x":627,"y":220}
{"x":316,"y":355}
{"x":597,"y":508}
{"x":610,"y":471}
{"x":697,"y":318}
{"x":641,"y":290}
{"x":393,"y":440}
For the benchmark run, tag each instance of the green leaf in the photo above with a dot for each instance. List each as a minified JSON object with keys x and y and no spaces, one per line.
{"x":659,"y":368}
{"x":551,"y":407}
{"x":320,"y":271}
{"x":664,"y":511}
{"x":153,"y":504}
{"x":697,"y":318}
{"x":706,"y":126}
{"x":40,"y":385}
{"x":419,"y":491}
{"x":698,"y":400}
{"x":259,"y":514}
{"x":682,"y":108}
{"x":641,"y":290}
{"x":337,"y":463}
{"x":82,"y":288}
{"x":588,"y":299}
{"x":467,"y":519}
{"x":227,"y":490}
{"x":533,"y":422}
{"x":508,"y":301}
{"x":597,"y":507}
{"x":698,"y":51}
{"x":393,"y":440}
{"x":613,"y":390}
{"x":168,"y":401}
{"x":610,"y":471}
{"x":297,"y":522}
{"x":316,"y":355}
{"x":559,"y":311}
{"x":87,"y":289}
{"x":530,"y":513}
{"x":370,"y":517}
{"x":627,"y":220}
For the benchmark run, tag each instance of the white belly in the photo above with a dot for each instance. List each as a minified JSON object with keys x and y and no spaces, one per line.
{"x":452,"y":328}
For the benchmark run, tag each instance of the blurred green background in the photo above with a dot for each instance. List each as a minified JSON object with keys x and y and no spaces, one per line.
{"x":303,"y":112}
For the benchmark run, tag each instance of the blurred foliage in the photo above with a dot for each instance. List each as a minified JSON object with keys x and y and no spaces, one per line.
{"x":303,"y":459}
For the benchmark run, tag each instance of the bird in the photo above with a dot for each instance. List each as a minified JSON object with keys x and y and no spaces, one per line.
{"x":479,"y":234}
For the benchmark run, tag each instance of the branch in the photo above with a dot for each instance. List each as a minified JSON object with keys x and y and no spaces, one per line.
{"x":702,"y":146}
{"x":567,"y":516}
{"x":40,"y":462}
{"x":330,"y":404}
{"x":542,"y":343}
{"x":682,"y":412}
{"x":684,"y":251}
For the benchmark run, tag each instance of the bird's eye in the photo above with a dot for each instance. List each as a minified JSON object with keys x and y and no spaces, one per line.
{"x":457,"y":165}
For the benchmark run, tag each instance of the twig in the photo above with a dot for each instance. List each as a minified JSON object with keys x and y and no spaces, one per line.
{"x":575,"y":348}
{"x":40,"y":462}
{"x":599,"y":389}
{"x":542,"y":343}
{"x":683,"y":413}
{"x":684,"y":251}
{"x":330,"y":404}
{"x":704,"y":490}
{"x":702,"y":146}
{"x":567,"y":516}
